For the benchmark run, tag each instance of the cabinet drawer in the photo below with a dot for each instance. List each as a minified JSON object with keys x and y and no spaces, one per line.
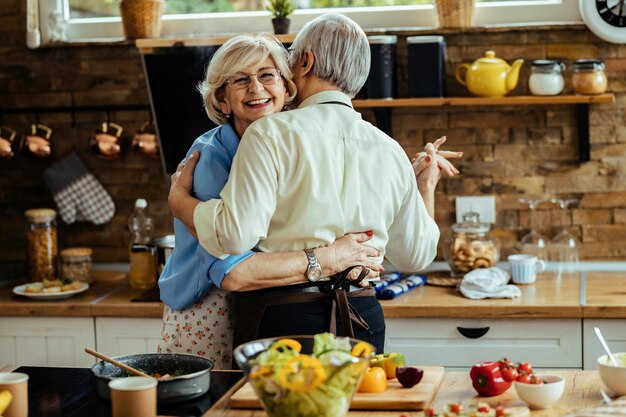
{"x":545,"y":343}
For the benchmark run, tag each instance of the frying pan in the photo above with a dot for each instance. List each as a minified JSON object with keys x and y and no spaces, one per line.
{"x":194,"y":383}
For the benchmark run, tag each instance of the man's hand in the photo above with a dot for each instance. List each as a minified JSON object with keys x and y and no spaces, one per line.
{"x":180,"y":200}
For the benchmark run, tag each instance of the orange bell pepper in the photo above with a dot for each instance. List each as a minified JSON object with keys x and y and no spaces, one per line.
{"x":374,"y":380}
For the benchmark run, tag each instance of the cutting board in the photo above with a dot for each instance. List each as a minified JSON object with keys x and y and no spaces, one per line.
{"x":395,"y":397}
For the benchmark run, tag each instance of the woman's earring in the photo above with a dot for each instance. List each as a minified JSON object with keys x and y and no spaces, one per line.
{"x":227,"y":115}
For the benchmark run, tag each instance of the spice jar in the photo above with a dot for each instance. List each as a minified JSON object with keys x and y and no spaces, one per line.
{"x":589,"y":76}
{"x":76,"y":264}
{"x":546,"y":77}
{"x":41,"y":240}
{"x":471,"y":246}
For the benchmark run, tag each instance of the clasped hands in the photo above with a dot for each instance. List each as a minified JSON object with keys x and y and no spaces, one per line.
{"x":428,"y":173}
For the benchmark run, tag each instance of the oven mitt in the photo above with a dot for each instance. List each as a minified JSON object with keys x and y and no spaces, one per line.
{"x":78,"y":194}
{"x":488,"y":283}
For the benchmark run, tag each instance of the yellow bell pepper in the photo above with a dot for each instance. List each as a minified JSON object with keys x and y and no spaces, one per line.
{"x":302,"y":374}
{"x":287,"y":343}
{"x":362,"y":349}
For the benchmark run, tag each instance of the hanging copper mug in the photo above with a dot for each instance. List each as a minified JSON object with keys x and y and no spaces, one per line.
{"x":145,"y":141}
{"x":37,"y":142}
{"x":7,"y":138}
{"x":105,"y":141}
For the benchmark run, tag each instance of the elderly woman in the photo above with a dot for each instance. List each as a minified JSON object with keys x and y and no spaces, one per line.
{"x":247,"y":78}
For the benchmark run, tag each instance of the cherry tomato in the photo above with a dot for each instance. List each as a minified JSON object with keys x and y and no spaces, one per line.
{"x":456,"y":408}
{"x":500,"y":411}
{"x":525,"y":367}
{"x":484,"y":409}
{"x":523,"y":378}
{"x":505,"y":363}
{"x":430,"y":412}
{"x":509,"y":374}
{"x":374,"y":380}
{"x":535,"y":380}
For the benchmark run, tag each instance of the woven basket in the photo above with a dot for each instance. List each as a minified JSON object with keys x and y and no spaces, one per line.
{"x":455,"y":13}
{"x":142,"y":18}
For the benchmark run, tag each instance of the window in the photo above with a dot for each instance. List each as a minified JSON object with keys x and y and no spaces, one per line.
{"x":93,"y":20}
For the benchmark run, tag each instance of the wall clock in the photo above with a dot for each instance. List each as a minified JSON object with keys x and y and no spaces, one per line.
{"x":605,"y":18}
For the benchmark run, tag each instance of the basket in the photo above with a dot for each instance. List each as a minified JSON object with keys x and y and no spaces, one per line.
{"x":455,"y":13}
{"x":141,"y":18}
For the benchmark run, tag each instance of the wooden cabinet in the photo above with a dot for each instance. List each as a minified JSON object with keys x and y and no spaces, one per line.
{"x":124,"y":336}
{"x":459,"y":343}
{"x":46,"y":341}
{"x":613,"y":330}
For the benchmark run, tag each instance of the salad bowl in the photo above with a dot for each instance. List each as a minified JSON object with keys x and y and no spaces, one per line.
{"x":305,"y":376}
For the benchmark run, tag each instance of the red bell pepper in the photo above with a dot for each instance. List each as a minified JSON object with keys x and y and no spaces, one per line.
{"x":487,"y":380}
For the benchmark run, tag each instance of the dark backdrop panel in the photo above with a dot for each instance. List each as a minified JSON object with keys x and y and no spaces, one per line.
{"x":173,"y":75}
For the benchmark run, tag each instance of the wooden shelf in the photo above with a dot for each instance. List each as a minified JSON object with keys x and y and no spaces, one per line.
{"x":483,"y":101}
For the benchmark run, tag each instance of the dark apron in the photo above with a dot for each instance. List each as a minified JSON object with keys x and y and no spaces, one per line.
{"x":251,"y":305}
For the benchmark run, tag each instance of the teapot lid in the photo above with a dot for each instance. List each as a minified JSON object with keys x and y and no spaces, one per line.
{"x":490,"y":58}
{"x":471,"y":224}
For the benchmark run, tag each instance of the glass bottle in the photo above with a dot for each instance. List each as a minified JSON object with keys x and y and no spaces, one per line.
{"x":142,"y":263}
{"x":589,"y":76}
{"x":41,"y":241}
{"x":471,"y":246}
{"x":546,"y":77}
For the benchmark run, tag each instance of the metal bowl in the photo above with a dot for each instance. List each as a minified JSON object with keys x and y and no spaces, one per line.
{"x":194,"y":383}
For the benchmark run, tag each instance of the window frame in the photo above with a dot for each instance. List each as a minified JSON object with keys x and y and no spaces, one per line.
{"x":504,"y":13}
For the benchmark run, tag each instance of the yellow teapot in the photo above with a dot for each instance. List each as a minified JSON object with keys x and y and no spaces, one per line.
{"x":489,"y":76}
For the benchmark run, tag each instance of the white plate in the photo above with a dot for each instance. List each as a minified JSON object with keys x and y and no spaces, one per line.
{"x":19,"y":290}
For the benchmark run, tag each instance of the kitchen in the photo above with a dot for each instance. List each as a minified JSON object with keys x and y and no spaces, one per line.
{"x":74,"y":88}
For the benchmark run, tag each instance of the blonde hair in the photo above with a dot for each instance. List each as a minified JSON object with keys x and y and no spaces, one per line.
{"x":236,"y":55}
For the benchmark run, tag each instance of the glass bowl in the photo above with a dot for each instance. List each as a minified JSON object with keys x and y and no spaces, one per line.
{"x":318,"y":381}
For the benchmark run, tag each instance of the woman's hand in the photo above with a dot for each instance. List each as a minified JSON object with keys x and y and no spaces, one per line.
{"x":347,"y":251}
{"x":427,"y":173}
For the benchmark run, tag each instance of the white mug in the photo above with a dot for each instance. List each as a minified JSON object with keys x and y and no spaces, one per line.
{"x":524,"y":268}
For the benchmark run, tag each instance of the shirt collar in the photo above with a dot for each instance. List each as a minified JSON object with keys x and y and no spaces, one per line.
{"x":325,"y":96}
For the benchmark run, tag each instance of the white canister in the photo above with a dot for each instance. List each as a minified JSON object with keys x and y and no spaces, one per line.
{"x":546,"y":78}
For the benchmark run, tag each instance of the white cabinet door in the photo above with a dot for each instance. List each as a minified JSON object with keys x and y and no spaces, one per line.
{"x":545,"y":343}
{"x":613,"y":330}
{"x":127,"y":336}
{"x":46,"y":341}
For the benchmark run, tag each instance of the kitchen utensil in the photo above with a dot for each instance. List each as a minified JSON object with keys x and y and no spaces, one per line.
{"x":134,"y":397}
{"x":605,"y":345}
{"x":163,"y":248}
{"x":396,"y":397}
{"x":145,"y":141}
{"x":194,"y":383}
{"x":36,"y":142}
{"x":105,"y":141}
{"x":125,"y":367}
{"x":524,"y":268}
{"x":489,"y":76}
{"x":7,"y":136}
{"x":539,"y":396}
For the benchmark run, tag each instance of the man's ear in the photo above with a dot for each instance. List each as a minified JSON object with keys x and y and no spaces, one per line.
{"x":307,"y":63}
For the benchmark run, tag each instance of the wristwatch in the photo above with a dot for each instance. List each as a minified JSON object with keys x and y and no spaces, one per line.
{"x":314,"y":270}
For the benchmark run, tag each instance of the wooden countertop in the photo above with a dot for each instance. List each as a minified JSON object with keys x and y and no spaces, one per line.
{"x":582,"y":389}
{"x":603,"y":296}
{"x":546,"y":298}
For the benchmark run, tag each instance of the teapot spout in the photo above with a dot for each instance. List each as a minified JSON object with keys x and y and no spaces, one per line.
{"x":512,"y":75}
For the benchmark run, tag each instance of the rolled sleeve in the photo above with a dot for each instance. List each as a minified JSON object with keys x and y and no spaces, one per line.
{"x":222,"y":267}
{"x":204,"y":216}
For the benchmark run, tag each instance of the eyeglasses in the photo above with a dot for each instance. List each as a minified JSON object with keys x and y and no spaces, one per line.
{"x":266,"y":76}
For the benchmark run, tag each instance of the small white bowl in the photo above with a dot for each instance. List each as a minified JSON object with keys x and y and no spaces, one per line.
{"x":614,"y":377}
{"x":542,"y":395}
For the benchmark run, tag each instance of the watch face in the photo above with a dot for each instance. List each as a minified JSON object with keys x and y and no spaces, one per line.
{"x":313,"y":274}
{"x":612,"y":12}
{"x":605,"y":18}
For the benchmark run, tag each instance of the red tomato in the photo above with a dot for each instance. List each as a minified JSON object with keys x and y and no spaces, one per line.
{"x":456,"y":408}
{"x":500,"y":411}
{"x":505,"y":363}
{"x":430,"y":412}
{"x":509,"y":374}
{"x":535,"y":380}
{"x":525,"y":367}
{"x":484,"y":409}
{"x":523,"y":378}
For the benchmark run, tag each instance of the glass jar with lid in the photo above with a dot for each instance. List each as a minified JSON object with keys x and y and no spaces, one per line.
{"x":471,"y":246}
{"x":76,"y":264}
{"x":546,"y":77}
{"x":589,"y":76}
{"x":41,"y":241}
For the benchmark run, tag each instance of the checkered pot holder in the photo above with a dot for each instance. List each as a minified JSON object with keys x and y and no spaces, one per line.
{"x":78,"y":194}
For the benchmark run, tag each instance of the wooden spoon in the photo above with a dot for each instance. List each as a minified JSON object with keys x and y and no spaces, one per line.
{"x":116,"y":363}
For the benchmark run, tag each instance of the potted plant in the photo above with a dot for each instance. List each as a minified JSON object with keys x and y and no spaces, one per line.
{"x":280,"y":10}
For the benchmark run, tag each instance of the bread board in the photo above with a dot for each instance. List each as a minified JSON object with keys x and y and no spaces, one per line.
{"x":395,"y":397}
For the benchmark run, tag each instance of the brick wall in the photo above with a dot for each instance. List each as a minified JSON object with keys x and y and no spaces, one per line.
{"x":509,"y":151}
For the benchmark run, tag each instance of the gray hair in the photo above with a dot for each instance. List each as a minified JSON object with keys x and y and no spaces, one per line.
{"x":236,"y":55}
{"x":341,"y":50}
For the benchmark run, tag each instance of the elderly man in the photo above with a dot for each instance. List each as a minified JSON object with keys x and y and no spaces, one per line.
{"x":305,"y":177}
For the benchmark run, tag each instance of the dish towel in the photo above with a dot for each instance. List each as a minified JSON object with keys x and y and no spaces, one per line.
{"x":400,"y":287}
{"x":78,"y":194}
{"x":488,"y":283}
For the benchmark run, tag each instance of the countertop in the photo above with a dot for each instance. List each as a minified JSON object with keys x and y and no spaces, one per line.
{"x":589,"y":295}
